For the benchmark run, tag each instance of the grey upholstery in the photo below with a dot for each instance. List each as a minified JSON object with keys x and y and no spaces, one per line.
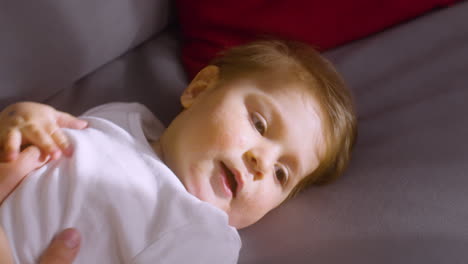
{"x":46,"y":46}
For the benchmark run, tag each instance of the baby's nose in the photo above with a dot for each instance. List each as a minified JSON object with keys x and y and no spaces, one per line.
{"x":255,"y":165}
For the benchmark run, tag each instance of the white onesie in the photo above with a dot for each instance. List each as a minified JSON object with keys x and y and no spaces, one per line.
{"x":128,"y":205}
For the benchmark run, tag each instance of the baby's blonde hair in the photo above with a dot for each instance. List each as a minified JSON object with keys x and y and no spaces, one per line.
{"x":298,"y":62}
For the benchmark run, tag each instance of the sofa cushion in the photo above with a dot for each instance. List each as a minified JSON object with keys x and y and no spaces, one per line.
{"x":210,"y":26}
{"x":45,"y":46}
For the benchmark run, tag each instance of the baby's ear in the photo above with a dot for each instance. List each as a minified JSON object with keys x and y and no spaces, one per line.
{"x":203,"y":81}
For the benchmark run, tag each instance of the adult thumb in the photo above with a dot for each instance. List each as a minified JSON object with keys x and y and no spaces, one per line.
{"x":63,"y":249}
{"x":5,"y":251}
{"x":14,"y":172}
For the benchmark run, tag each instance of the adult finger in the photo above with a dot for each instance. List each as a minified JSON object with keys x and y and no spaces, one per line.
{"x":5,"y":251}
{"x":14,"y":172}
{"x":63,"y":249}
{"x":66,"y":120}
{"x":28,"y":160}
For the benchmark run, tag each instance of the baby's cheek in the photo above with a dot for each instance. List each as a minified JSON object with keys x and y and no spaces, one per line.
{"x":241,"y":141}
{"x":231,"y":140}
{"x":229,"y":132}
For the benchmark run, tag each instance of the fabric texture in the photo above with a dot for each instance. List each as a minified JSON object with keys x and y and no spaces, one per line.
{"x":47,"y":46}
{"x":128,"y":206}
{"x":210,"y":26}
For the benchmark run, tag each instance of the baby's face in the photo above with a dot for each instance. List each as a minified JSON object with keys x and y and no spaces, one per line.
{"x":243,"y":147}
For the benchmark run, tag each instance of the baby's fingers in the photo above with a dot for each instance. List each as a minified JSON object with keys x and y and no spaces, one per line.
{"x":12,"y":145}
{"x":62,"y":142}
{"x":65,"y":120}
{"x":42,"y":140}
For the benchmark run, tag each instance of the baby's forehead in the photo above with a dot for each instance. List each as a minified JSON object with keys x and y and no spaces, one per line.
{"x":279,"y":82}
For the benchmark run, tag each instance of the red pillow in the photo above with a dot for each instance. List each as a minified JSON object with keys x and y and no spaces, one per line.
{"x":209,"y":26}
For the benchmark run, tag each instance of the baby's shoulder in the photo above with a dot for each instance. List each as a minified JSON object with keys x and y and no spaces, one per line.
{"x":134,"y":118}
{"x":116,"y":108}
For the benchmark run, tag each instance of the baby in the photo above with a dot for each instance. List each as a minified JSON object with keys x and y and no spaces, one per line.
{"x":259,"y":124}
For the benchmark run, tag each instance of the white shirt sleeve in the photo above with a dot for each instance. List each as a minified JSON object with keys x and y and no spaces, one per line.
{"x":193,"y":244}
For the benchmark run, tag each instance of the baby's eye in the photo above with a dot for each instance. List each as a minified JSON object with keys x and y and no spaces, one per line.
{"x":259,"y":123}
{"x":281,"y":174}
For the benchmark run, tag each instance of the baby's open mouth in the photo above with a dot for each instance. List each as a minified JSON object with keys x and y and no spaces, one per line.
{"x":230,"y":179}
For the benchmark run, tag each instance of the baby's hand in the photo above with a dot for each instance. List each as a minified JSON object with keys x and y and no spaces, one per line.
{"x":27,"y":123}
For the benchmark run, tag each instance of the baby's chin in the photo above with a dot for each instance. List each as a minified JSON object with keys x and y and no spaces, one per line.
{"x":237,"y":220}
{"x":240,"y":222}
{"x":208,"y":198}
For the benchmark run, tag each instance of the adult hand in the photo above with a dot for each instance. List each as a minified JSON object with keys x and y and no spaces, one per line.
{"x":62,"y":250}
{"x":65,"y":246}
{"x":13,"y":172}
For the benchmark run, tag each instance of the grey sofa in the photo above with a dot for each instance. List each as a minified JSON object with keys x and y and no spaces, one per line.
{"x":404,"y":197}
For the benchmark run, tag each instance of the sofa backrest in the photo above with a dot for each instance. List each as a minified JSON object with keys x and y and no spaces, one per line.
{"x":46,"y":46}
